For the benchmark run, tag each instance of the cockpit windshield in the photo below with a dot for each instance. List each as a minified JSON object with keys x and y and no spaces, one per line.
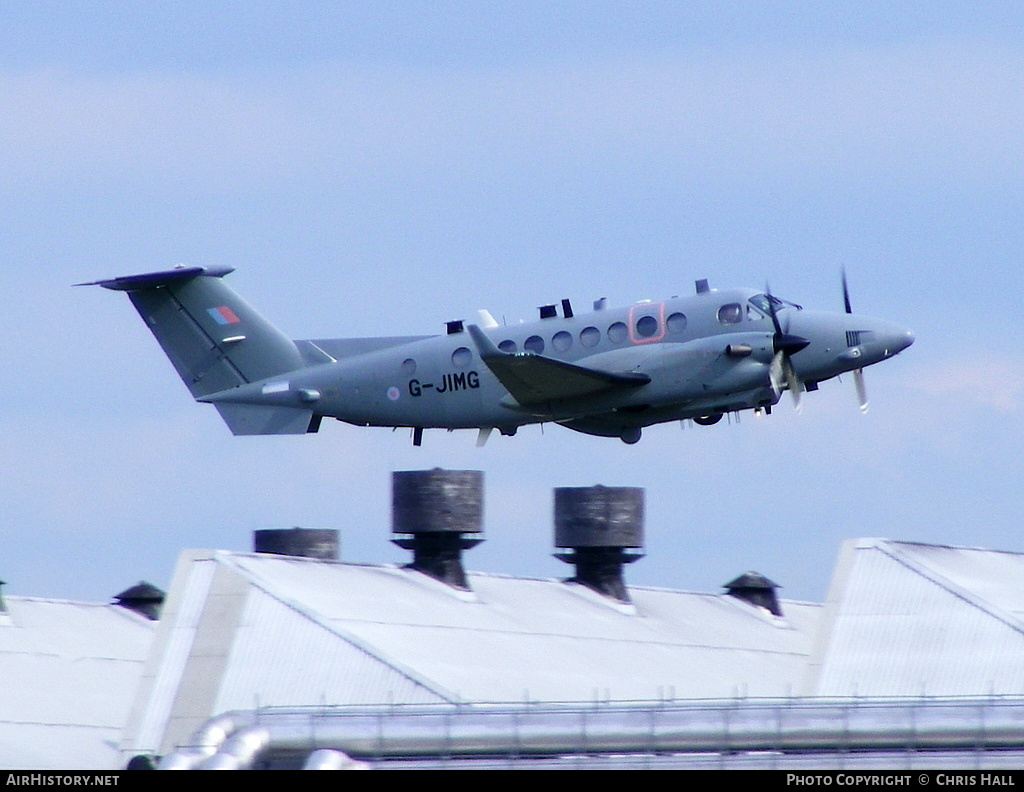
{"x":761,"y":303}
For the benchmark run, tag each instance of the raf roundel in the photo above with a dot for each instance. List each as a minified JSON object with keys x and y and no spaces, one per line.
{"x":394,"y":393}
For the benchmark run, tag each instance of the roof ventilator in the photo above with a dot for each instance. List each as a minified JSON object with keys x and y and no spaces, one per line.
{"x":601,"y":527}
{"x":431,"y":511}
{"x":755,"y":588}
{"x":143,"y":598}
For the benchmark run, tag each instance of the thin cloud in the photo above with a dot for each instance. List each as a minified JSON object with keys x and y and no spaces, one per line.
{"x":800,"y":112}
{"x":988,"y":381}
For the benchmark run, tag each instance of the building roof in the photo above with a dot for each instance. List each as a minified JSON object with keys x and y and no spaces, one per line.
{"x":909,"y":619}
{"x":242,"y":630}
{"x":68,"y":675}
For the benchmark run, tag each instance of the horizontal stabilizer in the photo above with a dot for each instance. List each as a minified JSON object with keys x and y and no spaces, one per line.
{"x":249,"y":419}
{"x":532,"y":379}
{"x":153,"y":280}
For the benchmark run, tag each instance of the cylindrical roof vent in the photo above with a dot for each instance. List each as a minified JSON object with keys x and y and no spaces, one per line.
{"x":431,"y":511}
{"x":320,"y":543}
{"x":755,"y":588}
{"x":600,"y":525}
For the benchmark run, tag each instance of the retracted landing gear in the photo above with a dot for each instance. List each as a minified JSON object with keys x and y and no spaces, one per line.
{"x":631,"y":435}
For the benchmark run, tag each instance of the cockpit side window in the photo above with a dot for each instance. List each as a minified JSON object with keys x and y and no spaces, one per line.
{"x":761,"y":302}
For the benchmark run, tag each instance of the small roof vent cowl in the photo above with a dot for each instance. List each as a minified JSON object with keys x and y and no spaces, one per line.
{"x":755,"y":588}
{"x":431,"y":511}
{"x":602,"y":527}
{"x":142,"y":598}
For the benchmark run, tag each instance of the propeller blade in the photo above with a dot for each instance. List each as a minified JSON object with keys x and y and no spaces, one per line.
{"x":781,"y":370}
{"x":783,"y":341}
{"x":858,"y":374}
{"x":781,"y":374}
{"x":776,"y":374}
{"x":862,"y":391}
{"x":796,"y":387}
{"x":771,"y":309}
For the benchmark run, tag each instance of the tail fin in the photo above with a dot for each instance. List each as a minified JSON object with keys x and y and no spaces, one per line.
{"x":214,"y":339}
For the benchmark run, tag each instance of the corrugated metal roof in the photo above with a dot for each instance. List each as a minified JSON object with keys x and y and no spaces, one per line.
{"x":334,"y":669}
{"x":364,"y":596}
{"x":912,"y":619}
{"x":543,"y":639}
{"x":68,"y":675}
{"x":247,"y":631}
{"x":315,"y":632}
{"x":166,"y":665}
{"x":992,"y":576}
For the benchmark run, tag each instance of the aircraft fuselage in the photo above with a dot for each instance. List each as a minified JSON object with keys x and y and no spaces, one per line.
{"x":605,"y":372}
{"x":682,"y":344}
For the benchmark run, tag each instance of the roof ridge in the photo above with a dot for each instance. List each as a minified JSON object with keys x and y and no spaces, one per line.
{"x":57,"y":600}
{"x":271,"y":591}
{"x":947,"y":546}
{"x":888,"y":547}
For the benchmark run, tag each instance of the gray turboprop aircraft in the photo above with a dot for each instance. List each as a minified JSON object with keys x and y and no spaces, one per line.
{"x":609,"y":372}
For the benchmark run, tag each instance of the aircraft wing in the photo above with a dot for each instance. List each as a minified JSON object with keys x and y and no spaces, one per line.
{"x":532,"y":378}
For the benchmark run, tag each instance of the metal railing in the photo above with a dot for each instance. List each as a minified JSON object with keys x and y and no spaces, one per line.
{"x":245,"y":739}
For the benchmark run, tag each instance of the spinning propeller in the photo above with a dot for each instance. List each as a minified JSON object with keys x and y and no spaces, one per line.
{"x":858,"y":374}
{"x":785,"y":345}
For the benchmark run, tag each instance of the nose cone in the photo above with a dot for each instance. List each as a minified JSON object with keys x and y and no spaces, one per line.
{"x":897,"y":339}
{"x":886,"y":340}
{"x":872,"y":341}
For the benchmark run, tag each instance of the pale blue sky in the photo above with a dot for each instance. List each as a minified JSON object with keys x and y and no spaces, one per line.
{"x":380,"y":168}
